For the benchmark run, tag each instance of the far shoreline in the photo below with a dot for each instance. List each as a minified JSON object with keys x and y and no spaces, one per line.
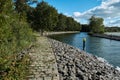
{"x":59,"y":32}
{"x":111,"y":37}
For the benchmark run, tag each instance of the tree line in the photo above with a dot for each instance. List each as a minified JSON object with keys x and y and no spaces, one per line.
{"x":112,"y":29}
{"x":96,"y":26}
{"x":46,"y":18}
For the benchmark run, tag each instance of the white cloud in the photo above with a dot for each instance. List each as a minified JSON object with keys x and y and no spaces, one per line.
{"x":115,"y":22}
{"x":67,"y":14}
{"x":109,"y":10}
{"x":77,"y":14}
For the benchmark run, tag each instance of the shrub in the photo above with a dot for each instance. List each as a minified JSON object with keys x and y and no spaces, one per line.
{"x":15,"y":35}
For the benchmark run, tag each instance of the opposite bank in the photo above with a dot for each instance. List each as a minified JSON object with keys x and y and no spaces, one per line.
{"x":112,"y":37}
{"x":74,"y":64}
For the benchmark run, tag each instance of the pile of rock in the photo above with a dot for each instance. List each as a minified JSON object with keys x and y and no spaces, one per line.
{"x":21,"y":54}
{"x":74,"y":64}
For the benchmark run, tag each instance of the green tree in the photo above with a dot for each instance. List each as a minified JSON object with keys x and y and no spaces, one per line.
{"x":12,"y":31}
{"x":46,"y":17}
{"x":72,"y":25}
{"x":69,"y":23}
{"x":15,"y":35}
{"x":22,"y":6}
{"x":112,"y":29}
{"x":61,"y":24}
{"x":77,"y":26}
{"x":96,"y":25}
{"x":31,"y":16}
{"x":85,"y":28}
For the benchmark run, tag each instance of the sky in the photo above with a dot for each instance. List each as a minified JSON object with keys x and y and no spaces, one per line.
{"x":82,"y":10}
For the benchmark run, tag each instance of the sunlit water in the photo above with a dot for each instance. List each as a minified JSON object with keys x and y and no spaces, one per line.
{"x":101,"y":47}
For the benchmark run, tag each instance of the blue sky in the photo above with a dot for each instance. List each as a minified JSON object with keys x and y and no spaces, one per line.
{"x":70,"y":6}
{"x":82,"y":10}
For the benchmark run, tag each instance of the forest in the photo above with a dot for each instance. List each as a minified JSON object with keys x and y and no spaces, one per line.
{"x":46,"y":18}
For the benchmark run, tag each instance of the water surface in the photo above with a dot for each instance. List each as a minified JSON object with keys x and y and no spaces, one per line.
{"x":101,"y":47}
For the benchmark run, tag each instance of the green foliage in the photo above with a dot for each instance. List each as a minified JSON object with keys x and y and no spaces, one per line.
{"x":22,"y":5}
{"x":15,"y":35}
{"x":45,"y":17}
{"x":96,"y":25}
{"x":67,"y":24}
{"x":30,"y":16}
{"x":85,"y":28}
{"x":12,"y":69}
{"x":61,"y":24}
{"x":72,"y":25}
{"x":112,"y":29}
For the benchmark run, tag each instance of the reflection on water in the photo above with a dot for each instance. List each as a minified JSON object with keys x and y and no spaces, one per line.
{"x":105,"y":48}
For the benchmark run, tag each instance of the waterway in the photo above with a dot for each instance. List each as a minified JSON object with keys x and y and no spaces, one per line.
{"x":101,"y":47}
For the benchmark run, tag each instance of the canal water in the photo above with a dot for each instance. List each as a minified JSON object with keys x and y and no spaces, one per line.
{"x":101,"y":47}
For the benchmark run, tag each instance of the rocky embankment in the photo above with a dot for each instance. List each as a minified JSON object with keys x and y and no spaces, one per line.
{"x":74,"y":64}
{"x":112,"y":37}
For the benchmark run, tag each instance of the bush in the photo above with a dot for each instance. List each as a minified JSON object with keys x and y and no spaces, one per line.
{"x":15,"y":35}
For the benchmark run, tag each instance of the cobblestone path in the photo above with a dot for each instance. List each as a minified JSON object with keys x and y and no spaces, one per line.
{"x":44,"y":66}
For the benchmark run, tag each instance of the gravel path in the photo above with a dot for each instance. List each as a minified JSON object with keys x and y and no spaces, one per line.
{"x":43,"y":65}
